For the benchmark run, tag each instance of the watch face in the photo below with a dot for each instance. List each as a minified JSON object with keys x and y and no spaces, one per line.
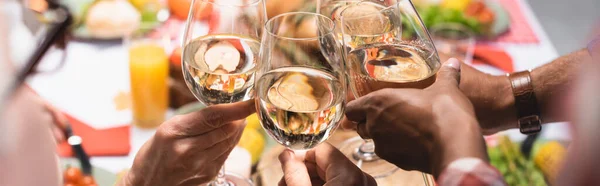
{"x":530,"y":124}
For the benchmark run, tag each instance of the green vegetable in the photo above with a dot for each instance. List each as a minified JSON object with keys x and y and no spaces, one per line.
{"x":433,"y":15}
{"x":516,"y":169}
{"x":78,"y":8}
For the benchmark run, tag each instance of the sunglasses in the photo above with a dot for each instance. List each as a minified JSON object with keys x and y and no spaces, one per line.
{"x":57,"y":20}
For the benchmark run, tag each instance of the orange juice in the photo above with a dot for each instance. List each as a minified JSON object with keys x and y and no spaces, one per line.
{"x":149,"y":71}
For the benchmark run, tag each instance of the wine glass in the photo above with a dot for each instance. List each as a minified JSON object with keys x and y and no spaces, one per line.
{"x":301,"y":81}
{"x":220,"y":53}
{"x":386,"y":45}
{"x":453,"y":40}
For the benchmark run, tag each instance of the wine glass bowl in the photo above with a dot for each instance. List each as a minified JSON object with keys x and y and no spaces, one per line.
{"x":387,"y":47}
{"x":301,"y":83}
{"x":453,"y":41}
{"x":221,"y":52}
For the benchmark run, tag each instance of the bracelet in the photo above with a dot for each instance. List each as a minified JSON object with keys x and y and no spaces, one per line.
{"x":528,"y":112}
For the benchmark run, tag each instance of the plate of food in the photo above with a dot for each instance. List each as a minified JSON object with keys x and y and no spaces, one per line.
{"x":486,"y":18}
{"x":113,"y":19}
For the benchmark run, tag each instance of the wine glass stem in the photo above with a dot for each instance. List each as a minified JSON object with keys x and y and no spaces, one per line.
{"x":221,"y":181}
{"x":366,"y":151}
{"x":368,"y":146}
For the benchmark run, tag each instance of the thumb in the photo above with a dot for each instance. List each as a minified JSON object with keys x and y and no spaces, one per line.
{"x":295,"y":172}
{"x":449,"y":74}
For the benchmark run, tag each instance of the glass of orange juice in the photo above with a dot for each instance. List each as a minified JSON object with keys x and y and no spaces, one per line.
{"x":149,"y":74}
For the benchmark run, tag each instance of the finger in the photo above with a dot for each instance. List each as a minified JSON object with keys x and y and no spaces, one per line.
{"x":230,"y":132}
{"x":213,"y":156}
{"x":241,"y":124}
{"x":217,"y":163}
{"x":331,"y":160}
{"x":282,"y":181}
{"x":60,"y":120}
{"x":294,"y":170}
{"x":363,"y":131}
{"x":357,"y":110}
{"x":59,"y":134}
{"x":317,"y":182}
{"x":207,"y":119}
{"x":313,"y":171}
{"x":347,"y":124}
{"x":449,"y":74}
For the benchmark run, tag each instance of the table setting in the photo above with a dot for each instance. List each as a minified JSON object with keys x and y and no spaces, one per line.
{"x":122,"y":74}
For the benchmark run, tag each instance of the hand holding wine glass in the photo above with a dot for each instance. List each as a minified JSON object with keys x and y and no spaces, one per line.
{"x":417,"y":129}
{"x":386,"y":46}
{"x":220,"y":56}
{"x":189,"y":149}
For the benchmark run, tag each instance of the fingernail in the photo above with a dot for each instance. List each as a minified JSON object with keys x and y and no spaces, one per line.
{"x":286,"y":155}
{"x":453,"y":62}
{"x":299,"y":154}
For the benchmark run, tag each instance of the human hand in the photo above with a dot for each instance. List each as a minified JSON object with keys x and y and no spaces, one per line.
{"x":57,"y":121}
{"x":322,"y":165}
{"x":190,"y":149}
{"x":421,"y":130}
{"x":491,"y":97}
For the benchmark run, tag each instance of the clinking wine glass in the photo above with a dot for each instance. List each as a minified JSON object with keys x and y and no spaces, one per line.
{"x":453,"y":40}
{"x":220,"y":55}
{"x":386,"y":45}
{"x":301,"y":81}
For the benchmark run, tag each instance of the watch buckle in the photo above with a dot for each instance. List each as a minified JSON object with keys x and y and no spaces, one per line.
{"x":530,"y":124}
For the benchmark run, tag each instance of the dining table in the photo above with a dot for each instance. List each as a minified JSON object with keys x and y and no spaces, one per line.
{"x":95,"y":75}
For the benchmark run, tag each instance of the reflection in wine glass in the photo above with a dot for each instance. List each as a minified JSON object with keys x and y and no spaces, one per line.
{"x":220,"y":55}
{"x":454,"y":41}
{"x":386,"y":45}
{"x":301,"y":81}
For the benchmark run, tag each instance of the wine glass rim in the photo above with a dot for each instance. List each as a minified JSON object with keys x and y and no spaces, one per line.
{"x":328,"y":31}
{"x":452,"y":26}
{"x":387,"y":8}
{"x":243,"y":3}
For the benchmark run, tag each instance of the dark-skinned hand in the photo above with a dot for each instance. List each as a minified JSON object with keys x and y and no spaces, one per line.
{"x":418,"y":129}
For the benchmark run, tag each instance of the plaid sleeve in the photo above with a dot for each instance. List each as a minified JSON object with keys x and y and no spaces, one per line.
{"x":472,"y":172}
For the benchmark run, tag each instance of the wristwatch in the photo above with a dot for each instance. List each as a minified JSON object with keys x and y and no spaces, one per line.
{"x":528,"y":112}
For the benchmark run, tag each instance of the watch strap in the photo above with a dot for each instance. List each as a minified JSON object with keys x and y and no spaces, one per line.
{"x":528,"y":112}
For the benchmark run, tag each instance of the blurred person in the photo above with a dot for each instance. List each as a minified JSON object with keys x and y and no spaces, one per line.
{"x":185,"y":150}
{"x":582,"y":162}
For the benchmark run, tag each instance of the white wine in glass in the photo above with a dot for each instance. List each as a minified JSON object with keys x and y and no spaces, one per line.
{"x":220,"y":56}
{"x":301,"y":81}
{"x":220,"y":68}
{"x":301,"y":105}
{"x":379,"y":66}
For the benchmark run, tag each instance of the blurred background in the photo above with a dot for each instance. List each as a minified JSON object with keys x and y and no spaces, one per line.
{"x":568,"y":23}
{"x":120,"y":76}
